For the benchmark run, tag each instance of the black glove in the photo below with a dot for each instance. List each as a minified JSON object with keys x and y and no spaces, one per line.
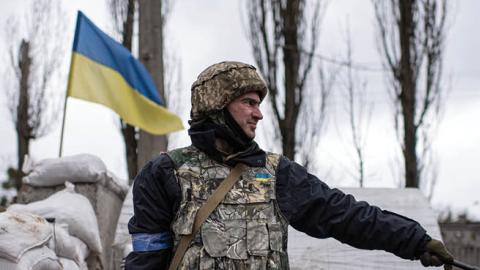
{"x":436,"y":254}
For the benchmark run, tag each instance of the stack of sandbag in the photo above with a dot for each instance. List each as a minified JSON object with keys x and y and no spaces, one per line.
{"x":71,"y":237}
{"x":71,"y":251}
{"x":28,"y":242}
{"x":88,"y":173}
{"x":82,"y":168}
{"x":23,"y":243}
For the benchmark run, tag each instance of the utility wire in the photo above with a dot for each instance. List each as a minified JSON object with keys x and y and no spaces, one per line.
{"x":356,"y":66}
{"x":344,"y":63}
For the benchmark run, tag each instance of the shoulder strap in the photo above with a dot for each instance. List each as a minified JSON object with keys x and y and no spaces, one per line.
{"x":202,"y":214}
{"x":180,"y":155}
{"x":272,"y":161}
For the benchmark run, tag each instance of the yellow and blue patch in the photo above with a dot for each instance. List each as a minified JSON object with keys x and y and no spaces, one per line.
{"x":263,"y":177}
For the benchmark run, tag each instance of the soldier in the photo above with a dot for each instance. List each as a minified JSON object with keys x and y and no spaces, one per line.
{"x":248,"y":228}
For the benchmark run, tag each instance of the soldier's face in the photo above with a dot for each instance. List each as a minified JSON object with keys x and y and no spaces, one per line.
{"x":245,"y":109}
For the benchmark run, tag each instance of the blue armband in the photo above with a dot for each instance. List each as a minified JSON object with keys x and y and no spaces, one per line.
{"x":151,"y":242}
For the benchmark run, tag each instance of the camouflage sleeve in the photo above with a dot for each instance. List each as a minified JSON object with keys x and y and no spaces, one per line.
{"x":311,"y":206}
{"x":156,"y":196}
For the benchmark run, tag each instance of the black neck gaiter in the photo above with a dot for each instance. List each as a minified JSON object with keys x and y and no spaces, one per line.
{"x":205,"y":132}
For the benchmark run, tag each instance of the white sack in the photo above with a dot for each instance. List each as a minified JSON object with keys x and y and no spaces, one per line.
{"x":71,"y":208}
{"x":66,"y":245}
{"x":78,"y":168}
{"x":20,"y":232}
{"x":69,"y":264}
{"x":39,"y":258}
{"x":122,"y":183}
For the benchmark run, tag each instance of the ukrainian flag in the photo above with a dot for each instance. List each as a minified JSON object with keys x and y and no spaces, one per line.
{"x":104,"y":72}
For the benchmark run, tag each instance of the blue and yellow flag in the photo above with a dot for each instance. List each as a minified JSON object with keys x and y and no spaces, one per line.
{"x":105,"y":72}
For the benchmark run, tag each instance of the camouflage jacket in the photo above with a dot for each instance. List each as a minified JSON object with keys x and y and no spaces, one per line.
{"x":245,"y":231}
{"x":307,"y":204}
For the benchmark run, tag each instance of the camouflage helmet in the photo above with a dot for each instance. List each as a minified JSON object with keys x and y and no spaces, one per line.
{"x":221,"y":83}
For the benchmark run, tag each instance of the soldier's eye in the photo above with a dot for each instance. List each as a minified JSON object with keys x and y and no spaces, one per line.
{"x":250,"y":102}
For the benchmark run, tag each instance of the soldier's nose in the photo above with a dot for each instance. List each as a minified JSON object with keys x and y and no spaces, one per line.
{"x":257,"y":114}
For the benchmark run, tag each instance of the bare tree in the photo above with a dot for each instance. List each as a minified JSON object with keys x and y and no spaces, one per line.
{"x":411,"y":34}
{"x":34,"y":68}
{"x":358,"y":110}
{"x":123,"y":13}
{"x":284,"y":39}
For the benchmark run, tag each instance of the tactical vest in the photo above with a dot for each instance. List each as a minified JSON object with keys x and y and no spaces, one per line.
{"x":245,"y":231}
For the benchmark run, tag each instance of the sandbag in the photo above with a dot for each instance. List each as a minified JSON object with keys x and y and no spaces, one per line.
{"x":69,"y":264}
{"x":66,"y":245}
{"x":66,"y":206}
{"x":83,"y":168}
{"x":21,"y":232}
{"x":39,"y":258}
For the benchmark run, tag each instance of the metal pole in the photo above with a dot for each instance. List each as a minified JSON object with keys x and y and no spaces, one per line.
{"x":462,"y":265}
{"x":72,"y":60}
{"x":63,"y":127}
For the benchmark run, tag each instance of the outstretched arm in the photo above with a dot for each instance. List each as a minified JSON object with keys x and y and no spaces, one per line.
{"x":311,"y":206}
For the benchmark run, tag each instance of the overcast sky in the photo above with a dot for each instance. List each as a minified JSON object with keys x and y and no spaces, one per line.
{"x":213,"y":31}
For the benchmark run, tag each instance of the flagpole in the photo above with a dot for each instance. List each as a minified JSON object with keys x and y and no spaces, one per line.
{"x":70,"y":72}
{"x":63,"y":125}
{"x":72,"y":59}
{"x":60,"y":150}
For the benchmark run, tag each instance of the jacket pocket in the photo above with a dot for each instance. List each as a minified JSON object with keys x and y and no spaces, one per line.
{"x":257,"y":238}
{"x":275,"y":236}
{"x":225,"y":239}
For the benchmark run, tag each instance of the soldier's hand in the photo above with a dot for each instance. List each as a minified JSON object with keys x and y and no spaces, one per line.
{"x":436,"y":254}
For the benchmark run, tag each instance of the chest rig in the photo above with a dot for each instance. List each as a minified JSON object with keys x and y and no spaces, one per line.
{"x":245,"y":231}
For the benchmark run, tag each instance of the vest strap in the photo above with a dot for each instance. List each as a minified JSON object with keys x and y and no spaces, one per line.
{"x":202,"y":214}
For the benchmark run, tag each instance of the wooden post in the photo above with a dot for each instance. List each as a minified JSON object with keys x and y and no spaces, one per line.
{"x":151,"y":55}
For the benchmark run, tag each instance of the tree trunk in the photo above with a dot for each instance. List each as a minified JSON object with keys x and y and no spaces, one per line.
{"x":291,"y":63}
{"x":131,"y":143}
{"x":151,"y":55}
{"x":22,"y":125}
{"x":128,"y":25}
{"x":412,"y":38}
{"x":128,"y":131}
{"x":407,"y":95}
